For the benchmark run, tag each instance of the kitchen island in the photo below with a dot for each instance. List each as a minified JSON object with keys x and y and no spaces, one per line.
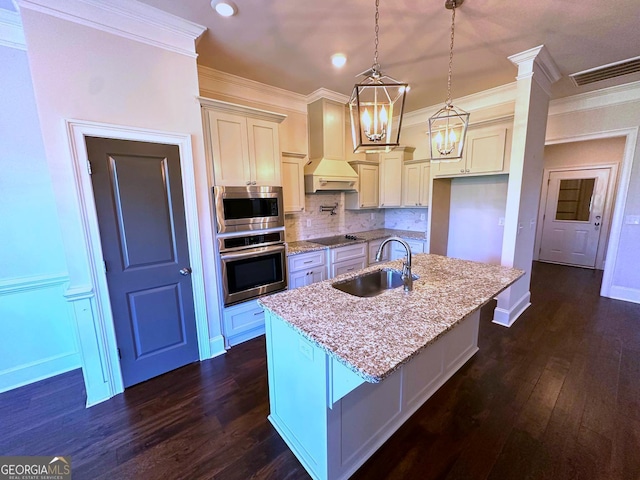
{"x":346,"y":372}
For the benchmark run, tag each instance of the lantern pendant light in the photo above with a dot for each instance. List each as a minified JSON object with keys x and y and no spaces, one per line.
{"x":374,"y":105}
{"x":448,"y":126}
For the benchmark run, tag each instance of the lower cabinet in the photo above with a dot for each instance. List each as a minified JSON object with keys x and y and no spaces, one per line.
{"x":348,"y":259}
{"x":373,"y":250}
{"x":307,"y":268}
{"x":398,"y":251}
{"x":242,"y":322}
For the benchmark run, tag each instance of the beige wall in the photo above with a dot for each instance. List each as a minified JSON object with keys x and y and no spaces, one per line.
{"x":587,"y":152}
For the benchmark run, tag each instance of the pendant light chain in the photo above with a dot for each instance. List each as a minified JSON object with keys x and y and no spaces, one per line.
{"x":376,"y":65}
{"x":453,"y":21}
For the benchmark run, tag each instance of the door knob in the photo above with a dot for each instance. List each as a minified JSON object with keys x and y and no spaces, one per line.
{"x":185,"y":271}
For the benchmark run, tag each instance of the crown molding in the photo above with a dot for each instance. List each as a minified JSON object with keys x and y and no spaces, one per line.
{"x":328,"y":94}
{"x":540,"y":59}
{"x":11,"y":32}
{"x":125,"y":18}
{"x":215,"y":82}
{"x":605,"y":97}
{"x":228,"y":107}
{"x":502,"y":96}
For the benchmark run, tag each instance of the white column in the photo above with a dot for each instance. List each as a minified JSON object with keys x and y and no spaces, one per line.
{"x":536,"y":72}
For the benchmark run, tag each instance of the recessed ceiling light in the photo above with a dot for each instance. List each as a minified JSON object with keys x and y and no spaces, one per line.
{"x":338,"y":60}
{"x":225,"y":8}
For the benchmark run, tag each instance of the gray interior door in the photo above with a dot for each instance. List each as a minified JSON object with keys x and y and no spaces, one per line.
{"x":140,"y":206}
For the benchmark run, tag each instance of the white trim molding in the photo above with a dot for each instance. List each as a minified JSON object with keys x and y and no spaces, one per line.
{"x":506,"y":318}
{"x":328,"y":94}
{"x":216,"y":83}
{"x":227,"y":107}
{"x":126,"y":18}
{"x":11,"y":32}
{"x":604,"y":97}
{"x":9,"y":286}
{"x":93,"y":312}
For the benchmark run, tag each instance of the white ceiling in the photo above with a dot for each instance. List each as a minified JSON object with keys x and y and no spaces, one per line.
{"x":288,"y":43}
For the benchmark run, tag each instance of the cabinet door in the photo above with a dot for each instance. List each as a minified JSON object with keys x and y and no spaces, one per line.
{"x":368,"y":186}
{"x":242,"y":318}
{"x":391,"y":180}
{"x":485,"y":150}
{"x":298,"y":279}
{"x":411,"y":185}
{"x":317,"y":275}
{"x":373,"y":250}
{"x":425,"y":184}
{"x":230,"y":148}
{"x":293,"y":184}
{"x":264,"y":152}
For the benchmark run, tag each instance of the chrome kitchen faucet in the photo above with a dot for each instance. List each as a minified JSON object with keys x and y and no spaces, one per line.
{"x":407,"y":277}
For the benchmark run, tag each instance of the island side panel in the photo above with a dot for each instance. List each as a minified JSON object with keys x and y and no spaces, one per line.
{"x":297,"y":373}
{"x":366,"y":417}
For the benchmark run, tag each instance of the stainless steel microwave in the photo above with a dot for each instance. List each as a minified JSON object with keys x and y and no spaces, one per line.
{"x":246,"y":208}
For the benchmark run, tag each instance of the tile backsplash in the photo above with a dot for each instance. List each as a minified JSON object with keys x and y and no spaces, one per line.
{"x":312,"y":223}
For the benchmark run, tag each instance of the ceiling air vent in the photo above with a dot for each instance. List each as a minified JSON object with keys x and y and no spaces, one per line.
{"x":605,"y":72}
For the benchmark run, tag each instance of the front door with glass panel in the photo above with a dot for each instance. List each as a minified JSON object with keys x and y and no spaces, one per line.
{"x":572,"y":223}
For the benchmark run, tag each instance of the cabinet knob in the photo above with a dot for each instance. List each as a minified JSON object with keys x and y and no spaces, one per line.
{"x":248,"y":183}
{"x":382,"y":204}
{"x":254,"y":182}
{"x":468,"y":170}
{"x":462,"y":170}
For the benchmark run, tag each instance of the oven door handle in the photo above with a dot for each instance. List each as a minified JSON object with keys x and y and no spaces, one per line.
{"x":251,"y":252}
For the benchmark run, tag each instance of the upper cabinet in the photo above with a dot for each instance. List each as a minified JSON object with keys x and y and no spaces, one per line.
{"x":391,"y":166}
{"x":293,"y":181}
{"x":367,"y":194}
{"x":326,"y":129}
{"x":415,"y":184}
{"x":486,"y":152}
{"x":243,"y":143}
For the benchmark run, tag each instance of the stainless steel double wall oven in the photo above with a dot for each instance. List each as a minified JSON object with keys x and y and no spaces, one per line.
{"x":250,"y":237}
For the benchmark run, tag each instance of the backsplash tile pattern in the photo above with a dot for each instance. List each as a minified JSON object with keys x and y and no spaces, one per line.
{"x":323,"y":224}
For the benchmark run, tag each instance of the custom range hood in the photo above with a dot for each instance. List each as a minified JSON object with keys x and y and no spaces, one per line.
{"x":328,"y":170}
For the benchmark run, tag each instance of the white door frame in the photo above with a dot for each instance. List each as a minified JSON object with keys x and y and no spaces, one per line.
{"x":104,"y":330}
{"x":606,"y":213}
{"x":631,"y":138}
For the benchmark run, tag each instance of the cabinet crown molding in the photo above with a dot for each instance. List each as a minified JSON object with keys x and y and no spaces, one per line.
{"x":251,"y":112}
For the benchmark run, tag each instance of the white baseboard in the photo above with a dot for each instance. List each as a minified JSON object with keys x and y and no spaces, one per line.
{"x":217,"y":346}
{"x":506,"y":318}
{"x":39,"y":370}
{"x":624,"y":293}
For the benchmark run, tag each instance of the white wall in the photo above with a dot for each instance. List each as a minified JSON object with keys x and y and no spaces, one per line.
{"x":37,"y":338}
{"x":88,"y":74}
{"x":476,"y":207}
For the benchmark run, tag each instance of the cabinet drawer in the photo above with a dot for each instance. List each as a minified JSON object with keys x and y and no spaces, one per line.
{"x":306,"y":260}
{"x":242,"y":317}
{"x":348,"y":266}
{"x":350,"y":251}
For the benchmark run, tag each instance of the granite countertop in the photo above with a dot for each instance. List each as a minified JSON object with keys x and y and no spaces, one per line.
{"x":373,"y":336}
{"x":305,"y":246}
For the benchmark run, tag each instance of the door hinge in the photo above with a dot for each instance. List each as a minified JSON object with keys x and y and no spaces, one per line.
{"x":105,"y":266}
{"x":89,"y":167}
{"x":540,"y":251}
{"x":119,"y":354}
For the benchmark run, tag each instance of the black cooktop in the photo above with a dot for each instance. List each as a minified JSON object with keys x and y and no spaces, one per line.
{"x":338,"y":239}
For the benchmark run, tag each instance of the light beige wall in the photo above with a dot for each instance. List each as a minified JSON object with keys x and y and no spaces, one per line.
{"x":626,"y":275}
{"x":588,"y":152}
{"x":86,"y":74}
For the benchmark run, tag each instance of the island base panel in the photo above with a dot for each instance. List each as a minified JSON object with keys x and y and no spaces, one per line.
{"x":332,"y":439}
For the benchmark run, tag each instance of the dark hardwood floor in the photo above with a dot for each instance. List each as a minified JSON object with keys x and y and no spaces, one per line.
{"x":556,"y":396}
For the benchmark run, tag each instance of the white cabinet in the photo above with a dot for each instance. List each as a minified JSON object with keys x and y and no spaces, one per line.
{"x":242,"y":322}
{"x":415,"y":185}
{"x":367,"y":194}
{"x":242,"y":143}
{"x":373,"y":249}
{"x":347,"y":259}
{"x":326,"y":129}
{"x":293,"y":181}
{"x":307,"y":268}
{"x":398,"y":251}
{"x":391,"y":166}
{"x":485,"y":152}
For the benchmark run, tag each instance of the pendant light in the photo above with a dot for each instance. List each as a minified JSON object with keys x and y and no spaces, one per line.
{"x":374,"y":105}
{"x":448,"y":127}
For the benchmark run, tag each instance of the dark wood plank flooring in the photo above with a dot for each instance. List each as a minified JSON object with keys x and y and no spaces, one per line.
{"x":556,"y":396}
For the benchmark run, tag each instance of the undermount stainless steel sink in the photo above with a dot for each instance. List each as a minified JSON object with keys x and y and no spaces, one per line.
{"x":373,"y":283}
